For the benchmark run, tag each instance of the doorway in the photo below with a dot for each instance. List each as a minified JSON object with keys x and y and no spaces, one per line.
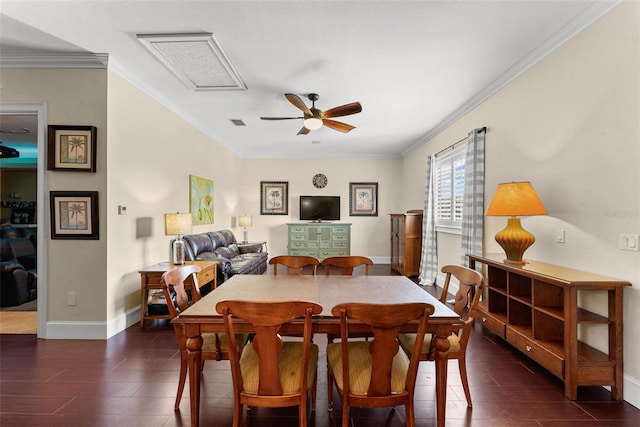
{"x":22,"y":212}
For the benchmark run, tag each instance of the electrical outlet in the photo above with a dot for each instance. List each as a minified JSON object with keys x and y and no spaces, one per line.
{"x":122,"y":210}
{"x":71,"y":298}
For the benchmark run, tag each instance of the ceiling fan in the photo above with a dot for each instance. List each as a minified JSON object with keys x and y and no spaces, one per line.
{"x":314,"y":118}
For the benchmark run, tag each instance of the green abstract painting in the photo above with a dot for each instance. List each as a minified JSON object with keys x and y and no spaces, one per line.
{"x":201,"y":200}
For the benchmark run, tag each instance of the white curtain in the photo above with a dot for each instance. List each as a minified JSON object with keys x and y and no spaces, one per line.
{"x":429,"y":255}
{"x":473,"y":208}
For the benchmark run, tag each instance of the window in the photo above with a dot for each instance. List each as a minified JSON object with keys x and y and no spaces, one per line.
{"x":449,"y":189}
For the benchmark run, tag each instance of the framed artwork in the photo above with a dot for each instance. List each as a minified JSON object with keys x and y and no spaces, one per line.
{"x":274,"y":198}
{"x":363,"y":199}
{"x":74,"y":215}
{"x":201,"y":200}
{"x":71,"y":148}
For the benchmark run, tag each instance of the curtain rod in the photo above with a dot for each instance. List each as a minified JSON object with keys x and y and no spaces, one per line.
{"x":452,"y":146}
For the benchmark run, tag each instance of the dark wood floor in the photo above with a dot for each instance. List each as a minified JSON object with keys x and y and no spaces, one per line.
{"x":130,"y":380}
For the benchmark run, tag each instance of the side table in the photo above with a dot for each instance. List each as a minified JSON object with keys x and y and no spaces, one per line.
{"x":150,"y":279}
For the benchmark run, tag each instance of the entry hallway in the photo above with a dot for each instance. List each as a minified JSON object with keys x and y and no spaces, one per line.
{"x":130,"y":380}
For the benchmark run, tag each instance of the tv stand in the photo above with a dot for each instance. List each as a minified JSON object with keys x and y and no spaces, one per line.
{"x":319,"y":239}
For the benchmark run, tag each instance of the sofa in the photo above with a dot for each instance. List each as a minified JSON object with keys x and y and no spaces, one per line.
{"x":18,"y":260}
{"x":233,"y":257}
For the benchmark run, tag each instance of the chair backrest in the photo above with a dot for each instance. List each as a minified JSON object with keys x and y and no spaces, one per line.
{"x":294,"y":263}
{"x":173,"y":287}
{"x":467,"y":297}
{"x":385,"y":321}
{"x":267,"y":318}
{"x":346,"y":264}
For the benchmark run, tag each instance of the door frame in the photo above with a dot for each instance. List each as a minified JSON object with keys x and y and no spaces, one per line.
{"x":41,"y":110}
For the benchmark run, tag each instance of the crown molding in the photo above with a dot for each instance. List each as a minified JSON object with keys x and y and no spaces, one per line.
{"x":55,"y":60}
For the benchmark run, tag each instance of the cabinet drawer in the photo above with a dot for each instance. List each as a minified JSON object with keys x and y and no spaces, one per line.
{"x":340,"y":237}
{"x":341,"y":245}
{"x":298,"y":245}
{"x":552,"y":362}
{"x":206,"y":276}
{"x":298,"y":236}
{"x":298,"y":229}
{"x":340,"y":229}
{"x":333,"y":252}
{"x":305,"y":252}
{"x":491,"y":323}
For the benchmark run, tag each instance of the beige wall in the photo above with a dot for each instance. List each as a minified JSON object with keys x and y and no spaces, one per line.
{"x":570,"y":125}
{"x":72,"y":97}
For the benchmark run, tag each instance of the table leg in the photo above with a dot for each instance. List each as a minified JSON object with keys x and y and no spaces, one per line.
{"x":194,"y":352}
{"x":441,"y":344}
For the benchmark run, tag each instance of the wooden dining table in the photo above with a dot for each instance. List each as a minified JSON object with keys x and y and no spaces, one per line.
{"x":328,"y":291}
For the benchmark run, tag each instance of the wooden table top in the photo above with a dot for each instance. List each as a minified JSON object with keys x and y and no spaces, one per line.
{"x":327,"y":291}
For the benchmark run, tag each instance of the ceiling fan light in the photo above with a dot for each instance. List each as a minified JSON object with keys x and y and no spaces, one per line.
{"x":312,"y":123}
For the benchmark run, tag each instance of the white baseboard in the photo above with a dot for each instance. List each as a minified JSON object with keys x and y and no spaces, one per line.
{"x":91,"y":330}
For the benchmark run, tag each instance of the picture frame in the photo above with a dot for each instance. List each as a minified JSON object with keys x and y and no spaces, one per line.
{"x":74,"y":215}
{"x":71,"y":148}
{"x":363,"y":199}
{"x":274,"y":198}
{"x":201,"y":200}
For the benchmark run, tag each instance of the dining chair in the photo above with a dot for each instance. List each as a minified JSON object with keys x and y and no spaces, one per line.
{"x":214,"y":346}
{"x":466,"y":301}
{"x":270,"y":372}
{"x":346,"y":264}
{"x":294,"y":263}
{"x":377,"y":373}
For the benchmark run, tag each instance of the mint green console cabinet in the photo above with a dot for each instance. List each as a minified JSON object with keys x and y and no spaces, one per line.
{"x":320,"y":240}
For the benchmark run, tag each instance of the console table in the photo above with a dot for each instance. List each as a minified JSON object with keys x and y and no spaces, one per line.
{"x":150,"y":279}
{"x":320,"y":240}
{"x":534,"y":307}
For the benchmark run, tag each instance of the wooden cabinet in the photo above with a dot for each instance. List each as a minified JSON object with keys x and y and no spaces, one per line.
{"x":406,"y":242}
{"x":320,"y":240}
{"x":535,"y":308}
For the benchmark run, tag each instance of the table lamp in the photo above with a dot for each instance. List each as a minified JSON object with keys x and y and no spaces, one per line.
{"x":245,"y":221}
{"x":177,"y":224}
{"x":515,"y":199}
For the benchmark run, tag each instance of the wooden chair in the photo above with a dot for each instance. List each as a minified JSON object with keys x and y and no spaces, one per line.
{"x":346,"y":264}
{"x":468,"y":296}
{"x":294,"y":263}
{"x":215,"y":345}
{"x":376,"y":373}
{"x":270,"y":372}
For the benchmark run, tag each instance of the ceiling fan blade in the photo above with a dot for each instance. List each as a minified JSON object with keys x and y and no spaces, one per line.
{"x":343,"y":110}
{"x":298,"y":103}
{"x":303,"y":131}
{"x":339,"y":126}
{"x":280,"y":118}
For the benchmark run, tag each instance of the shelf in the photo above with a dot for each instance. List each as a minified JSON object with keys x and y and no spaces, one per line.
{"x":556,"y":312}
{"x":585,"y":316}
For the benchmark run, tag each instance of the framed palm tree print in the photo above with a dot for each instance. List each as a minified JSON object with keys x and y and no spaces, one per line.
{"x":74,"y":215}
{"x":274,"y":198}
{"x":71,"y":148}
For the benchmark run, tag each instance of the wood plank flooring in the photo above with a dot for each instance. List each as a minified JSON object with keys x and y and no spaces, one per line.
{"x":130,"y":380}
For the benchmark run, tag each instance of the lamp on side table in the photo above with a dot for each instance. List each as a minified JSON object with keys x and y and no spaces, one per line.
{"x":177,"y":224}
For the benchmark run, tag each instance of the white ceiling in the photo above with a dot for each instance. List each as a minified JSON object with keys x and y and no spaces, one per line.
{"x":413,"y":65}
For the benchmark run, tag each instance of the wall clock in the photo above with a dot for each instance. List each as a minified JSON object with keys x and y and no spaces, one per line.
{"x":319,"y":180}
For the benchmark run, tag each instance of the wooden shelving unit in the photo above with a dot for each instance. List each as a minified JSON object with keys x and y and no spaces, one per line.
{"x":406,"y":242}
{"x":534,"y":307}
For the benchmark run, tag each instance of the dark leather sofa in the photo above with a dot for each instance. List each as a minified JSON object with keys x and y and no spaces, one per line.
{"x":18,"y":260}
{"x":233,"y":257}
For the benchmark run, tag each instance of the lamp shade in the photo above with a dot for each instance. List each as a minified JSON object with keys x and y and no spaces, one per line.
{"x":244,"y":220}
{"x":177,"y":224}
{"x":515,"y":199}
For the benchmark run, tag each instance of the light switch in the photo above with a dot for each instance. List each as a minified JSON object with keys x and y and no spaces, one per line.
{"x":559,"y":236}
{"x":122,"y":210}
{"x":628,"y":242}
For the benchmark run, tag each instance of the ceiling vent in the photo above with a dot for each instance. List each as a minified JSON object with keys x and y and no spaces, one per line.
{"x":238,"y":122}
{"x":196,"y":59}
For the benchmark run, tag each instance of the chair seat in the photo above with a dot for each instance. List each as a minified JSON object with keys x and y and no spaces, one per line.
{"x":408,"y":340}
{"x":290,"y":364}
{"x":360,"y":363}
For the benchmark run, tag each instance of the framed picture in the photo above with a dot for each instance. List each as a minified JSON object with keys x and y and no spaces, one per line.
{"x":363,"y":199}
{"x":74,"y":215}
{"x":274,"y":198}
{"x":71,"y":148}
{"x":201,"y":200}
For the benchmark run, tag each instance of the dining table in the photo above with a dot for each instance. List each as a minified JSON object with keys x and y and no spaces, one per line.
{"x":328,"y":291}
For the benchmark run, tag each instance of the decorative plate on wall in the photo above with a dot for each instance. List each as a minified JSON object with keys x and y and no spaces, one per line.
{"x":319,"y":180}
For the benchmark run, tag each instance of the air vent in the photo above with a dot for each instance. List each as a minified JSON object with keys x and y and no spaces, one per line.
{"x":196,"y":59}
{"x":238,"y":122}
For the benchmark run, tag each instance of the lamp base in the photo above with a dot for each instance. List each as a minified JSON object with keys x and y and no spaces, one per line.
{"x":178,"y":251}
{"x":246,"y":236}
{"x":515,"y":240}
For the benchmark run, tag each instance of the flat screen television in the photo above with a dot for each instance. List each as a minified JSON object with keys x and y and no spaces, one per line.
{"x":319,"y":208}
